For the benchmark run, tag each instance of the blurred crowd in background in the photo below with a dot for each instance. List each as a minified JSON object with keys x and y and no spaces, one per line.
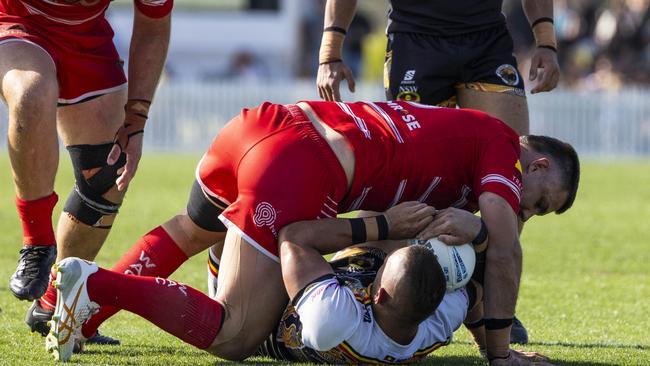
{"x":603,"y":44}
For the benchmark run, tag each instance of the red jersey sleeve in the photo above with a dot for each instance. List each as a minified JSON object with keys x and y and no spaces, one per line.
{"x":499,"y":171}
{"x":154,"y":8}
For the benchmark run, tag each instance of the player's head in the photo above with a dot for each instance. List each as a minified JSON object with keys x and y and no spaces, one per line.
{"x":551,"y":174}
{"x":410,"y":285}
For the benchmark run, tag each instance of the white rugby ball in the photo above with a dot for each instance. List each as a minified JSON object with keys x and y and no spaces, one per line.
{"x":457,"y":262}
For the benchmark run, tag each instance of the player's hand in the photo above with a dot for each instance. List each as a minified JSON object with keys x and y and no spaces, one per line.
{"x":452,"y":226}
{"x":520,"y":358}
{"x":546,"y":60}
{"x":329,"y":79}
{"x":128,"y":140}
{"x":133,"y":151}
{"x":408,"y":218}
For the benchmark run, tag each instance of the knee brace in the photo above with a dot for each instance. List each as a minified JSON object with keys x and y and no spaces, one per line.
{"x":204,"y":211}
{"x":93,"y":179}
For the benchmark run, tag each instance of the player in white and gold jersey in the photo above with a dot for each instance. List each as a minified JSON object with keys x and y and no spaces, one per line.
{"x":364,"y":307}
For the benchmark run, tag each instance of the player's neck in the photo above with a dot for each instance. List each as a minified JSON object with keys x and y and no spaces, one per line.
{"x":392,"y":327}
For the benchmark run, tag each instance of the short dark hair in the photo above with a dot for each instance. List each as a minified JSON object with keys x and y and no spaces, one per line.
{"x":422,"y":286}
{"x":567,"y":160}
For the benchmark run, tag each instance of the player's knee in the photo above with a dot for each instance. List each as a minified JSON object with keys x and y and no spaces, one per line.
{"x":30,"y":91}
{"x":236,"y":350}
{"x":91,"y":201}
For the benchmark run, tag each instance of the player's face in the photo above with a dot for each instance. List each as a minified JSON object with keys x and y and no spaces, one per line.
{"x":542,"y":192}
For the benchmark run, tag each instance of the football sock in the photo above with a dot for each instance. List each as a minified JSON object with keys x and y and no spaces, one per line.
{"x":177,"y":309}
{"x":213,"y":273}
{"x":154,"y":255}
{"x":36,"y":218}
{"x":48,"y":300}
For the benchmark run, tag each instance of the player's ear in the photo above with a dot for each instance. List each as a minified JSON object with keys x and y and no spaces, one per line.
{"x":539,"y":164}
{"x":380,"y":296}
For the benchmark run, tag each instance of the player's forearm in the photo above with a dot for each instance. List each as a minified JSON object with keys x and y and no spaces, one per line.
{"x":300,"y":265}
{"x":338,"y":16}
{"x":502,"y":273}
{"x":329,"y":235}
{"x":147,"y":54}
{"x":339,"y":13}
{"x":537,"y":9}
{"x":540,"y":17}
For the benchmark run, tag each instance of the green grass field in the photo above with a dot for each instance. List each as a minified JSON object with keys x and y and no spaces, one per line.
{"x":585,"y":294}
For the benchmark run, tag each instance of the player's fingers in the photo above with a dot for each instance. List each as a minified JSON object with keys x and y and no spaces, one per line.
{"x":336,"y":95}
{"x":425,"y":211}
{"x":320,"y":92}
{"x":534,"y":64}
{"x":122,"y":180}
{"x":113,"y":155}
{"x":545,"y":82}
{"x":555,"y":78}
{"x":450,"y":239}
{"x":430,"y":231}
{"x":326,"y":92}
{"x":350,"y":79}
{"x":128,"y":173}
{"x":423,"y":225}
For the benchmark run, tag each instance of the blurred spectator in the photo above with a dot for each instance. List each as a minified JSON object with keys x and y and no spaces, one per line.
{"x":602,"y":44}
{"x":312,"y":30}
{"x":245,"y":66}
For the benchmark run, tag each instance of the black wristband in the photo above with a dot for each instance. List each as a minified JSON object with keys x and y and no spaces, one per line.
{"x":549,"y":47}
{"x":496,"y":324}
{"x":482,"y":234}
{"x":358,"y":230}
{"x":541,"y":20}
{"x":382,"y":227}
{"x":335,"y":29}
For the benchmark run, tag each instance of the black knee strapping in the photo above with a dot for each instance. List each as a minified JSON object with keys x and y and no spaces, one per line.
{"x":204,"y":211}
{"x":93,"y":178}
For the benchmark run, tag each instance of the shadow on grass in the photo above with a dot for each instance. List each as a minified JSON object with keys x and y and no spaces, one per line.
{"x":156,"y":350}
{"x":140,"y":350}
{"x":640,"y":346}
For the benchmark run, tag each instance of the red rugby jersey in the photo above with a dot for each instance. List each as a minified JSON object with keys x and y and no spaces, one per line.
{"x":76,"y":12}
{"x":407,"y":151}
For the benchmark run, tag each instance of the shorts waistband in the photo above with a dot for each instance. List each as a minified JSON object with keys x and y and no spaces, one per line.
{"x":297,"y":113}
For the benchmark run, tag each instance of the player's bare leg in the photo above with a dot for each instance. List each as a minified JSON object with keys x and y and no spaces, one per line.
{"x":249,"y":303}
{"x":158,"y":254}
{"x":29,"y":87}
{"x":87,"y":130}
{"x":253,"y":296}
{"x":90,"y":123}
{"x":510,"y":108}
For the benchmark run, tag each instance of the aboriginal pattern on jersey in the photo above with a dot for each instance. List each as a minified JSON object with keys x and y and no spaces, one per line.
{"x":356,"y":269}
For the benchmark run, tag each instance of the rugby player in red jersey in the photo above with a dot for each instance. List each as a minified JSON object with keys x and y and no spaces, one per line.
{"x":301,"y":164}
{"x":450,"y":53}
{"x":60,"y":70}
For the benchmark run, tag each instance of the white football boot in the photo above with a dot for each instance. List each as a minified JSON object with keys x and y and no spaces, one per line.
{"x":73,"y":307}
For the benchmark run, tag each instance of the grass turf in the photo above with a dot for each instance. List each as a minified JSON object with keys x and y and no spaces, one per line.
{"x":585,"y":294}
